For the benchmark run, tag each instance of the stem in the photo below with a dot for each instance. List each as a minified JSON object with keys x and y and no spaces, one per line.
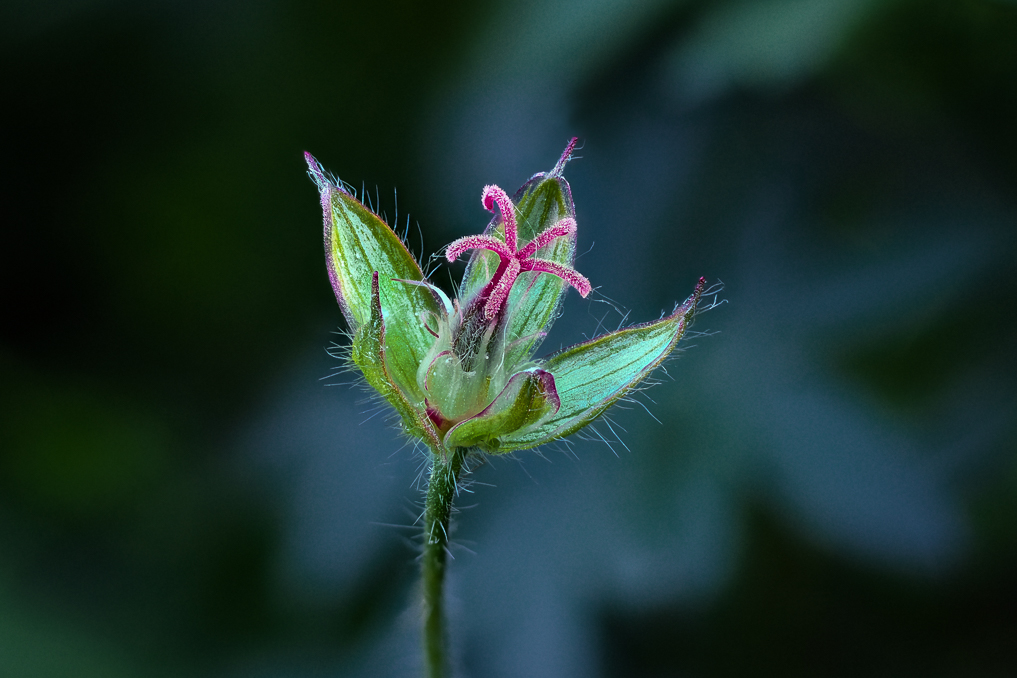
{"x":441,"y":490}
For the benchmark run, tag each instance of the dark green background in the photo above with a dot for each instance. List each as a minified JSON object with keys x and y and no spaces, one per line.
{"x":831,"y":490}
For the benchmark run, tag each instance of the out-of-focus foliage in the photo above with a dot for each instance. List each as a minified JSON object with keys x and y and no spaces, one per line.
{"x":830,"y":489}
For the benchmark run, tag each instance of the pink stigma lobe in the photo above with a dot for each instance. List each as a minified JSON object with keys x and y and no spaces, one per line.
{"x":495,"y":195}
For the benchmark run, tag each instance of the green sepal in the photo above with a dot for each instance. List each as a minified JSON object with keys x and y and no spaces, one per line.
{"x":358,"y":244}
{"x":593,"y":375}
{"x":527,"y":398}
{"x":370,"y":356}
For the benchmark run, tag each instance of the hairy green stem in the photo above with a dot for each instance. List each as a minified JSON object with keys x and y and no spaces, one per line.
{"x":441,"y":490}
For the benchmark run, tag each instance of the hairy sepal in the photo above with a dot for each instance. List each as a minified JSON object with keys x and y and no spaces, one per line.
{"x":528,"y":398}
{"x":358,"y":244}
{"x":370,"y":355}
{"x":593,"y":375}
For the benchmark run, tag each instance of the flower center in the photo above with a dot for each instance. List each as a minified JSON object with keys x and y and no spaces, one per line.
{"x":513,"y":260}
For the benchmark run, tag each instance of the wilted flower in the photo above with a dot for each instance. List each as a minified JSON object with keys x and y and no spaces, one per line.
{"x":461,"y":372}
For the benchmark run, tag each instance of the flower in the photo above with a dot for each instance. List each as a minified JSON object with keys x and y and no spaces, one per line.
{"x":461,"y":373}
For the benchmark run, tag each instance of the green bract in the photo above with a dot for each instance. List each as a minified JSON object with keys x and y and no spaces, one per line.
{"x":460,"y":373}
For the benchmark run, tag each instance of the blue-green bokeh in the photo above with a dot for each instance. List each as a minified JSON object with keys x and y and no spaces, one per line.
{"x":822,"y":484}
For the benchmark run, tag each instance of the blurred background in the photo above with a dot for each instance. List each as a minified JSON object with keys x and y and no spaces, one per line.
{"x":827,"y":484}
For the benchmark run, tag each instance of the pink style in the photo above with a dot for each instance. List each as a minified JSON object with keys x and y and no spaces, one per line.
{"x":513,"y":260}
